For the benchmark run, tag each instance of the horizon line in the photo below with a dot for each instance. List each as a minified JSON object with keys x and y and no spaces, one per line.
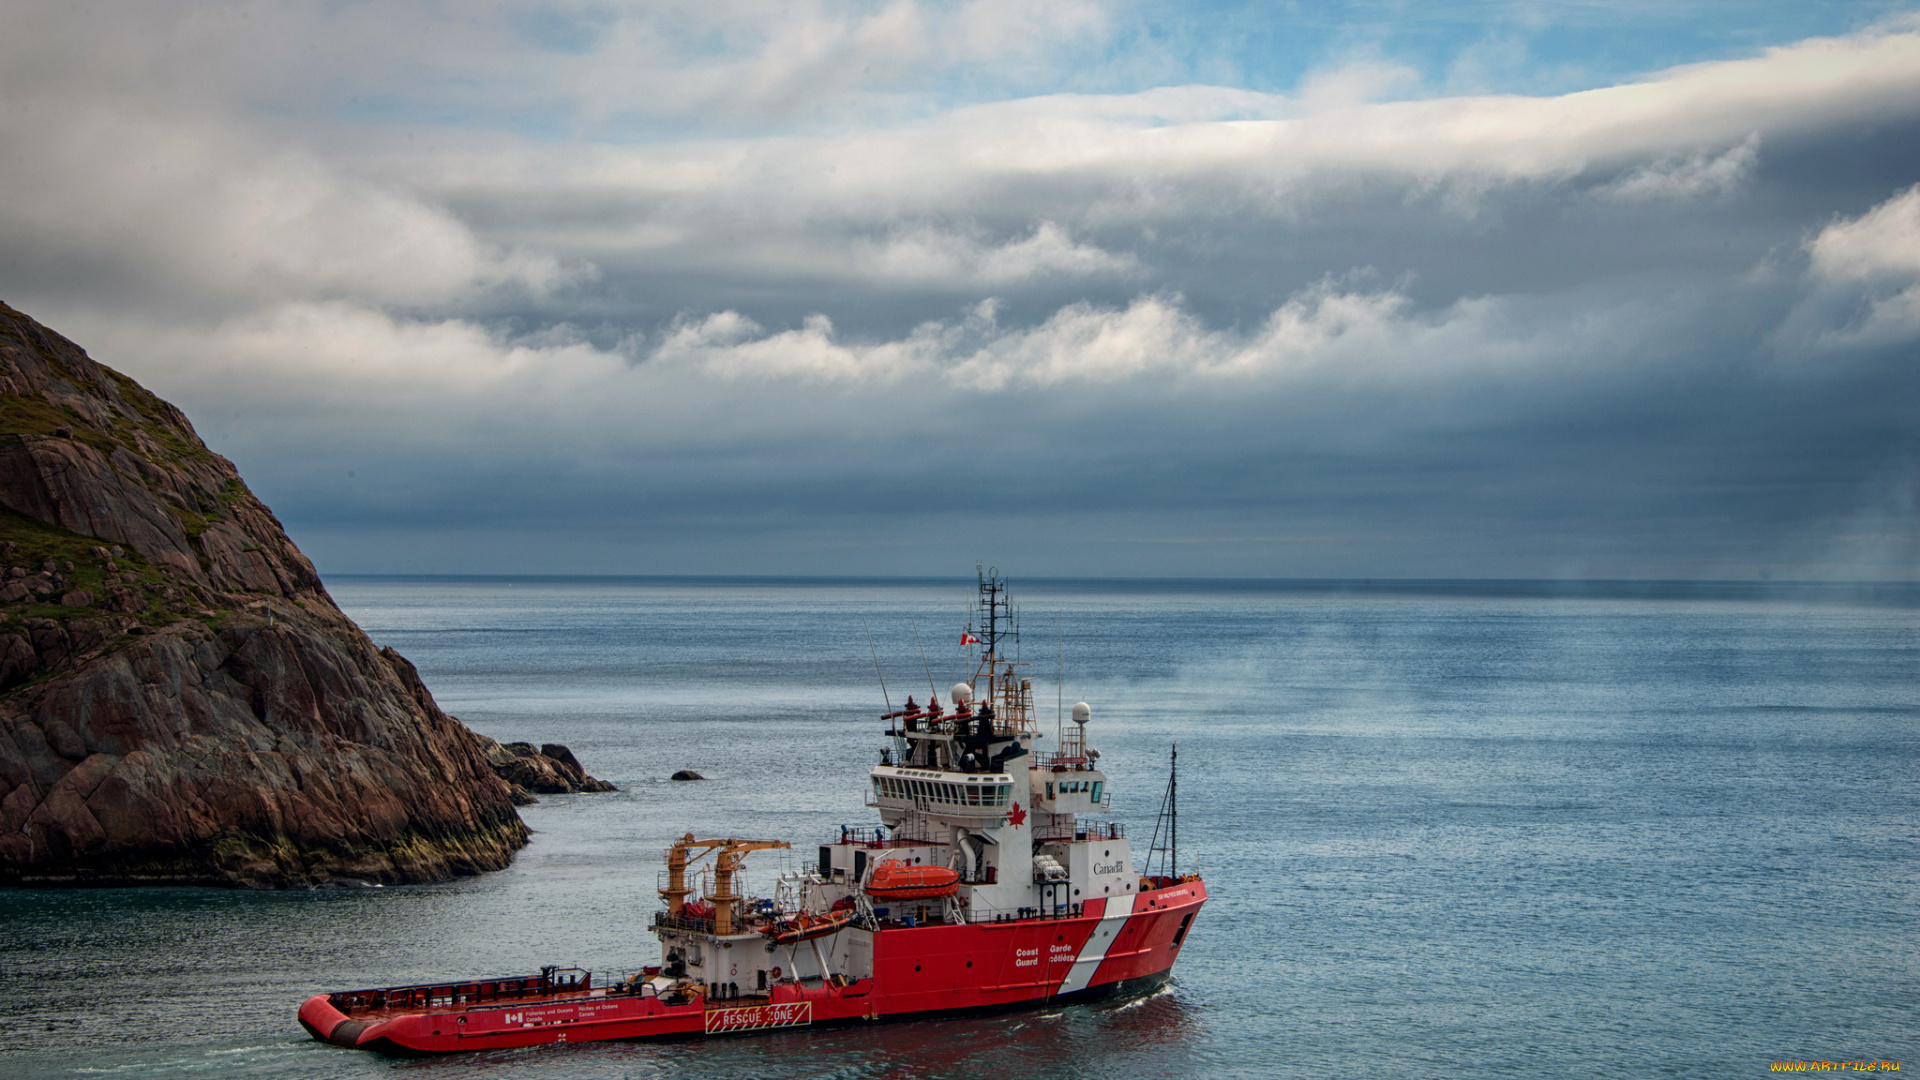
{"x":1375,"y":579}
{"x":1892,"y":593}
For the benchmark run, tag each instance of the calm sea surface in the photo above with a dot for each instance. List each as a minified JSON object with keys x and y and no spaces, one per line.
{"x":1661,"y":833}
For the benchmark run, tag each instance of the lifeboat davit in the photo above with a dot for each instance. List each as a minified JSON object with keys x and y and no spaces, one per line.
{"x":897,"y":881}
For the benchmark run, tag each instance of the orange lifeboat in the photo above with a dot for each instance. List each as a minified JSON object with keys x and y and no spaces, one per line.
{"x":897,"y":881}
{"x":807,"y":927}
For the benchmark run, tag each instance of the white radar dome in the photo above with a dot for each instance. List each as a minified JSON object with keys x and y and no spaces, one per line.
{"x":1082,"y":712}
{"x":962,"y":693}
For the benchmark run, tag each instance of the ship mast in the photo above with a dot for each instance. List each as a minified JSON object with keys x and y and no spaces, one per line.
{"x":1168,"y":825}
{"x":1010,"y":697}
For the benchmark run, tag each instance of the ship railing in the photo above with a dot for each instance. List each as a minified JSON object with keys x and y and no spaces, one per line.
{"x":1060,"y":762}
{"x":895,"y":842}
{"x":949,"y":724}
{"x":749,"y":913}
{"x":880,"y":837}
{"x":637,"y":983}
{"x":870,"y":835}
{"x":977,"y":913}
{"x":1082,"y":830}
{"x":550,"y":981}
{"x":683,"y":921}
{"x":979,"y":811}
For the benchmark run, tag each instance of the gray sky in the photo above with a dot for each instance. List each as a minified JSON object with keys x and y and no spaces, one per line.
{"x":1372,"y":290}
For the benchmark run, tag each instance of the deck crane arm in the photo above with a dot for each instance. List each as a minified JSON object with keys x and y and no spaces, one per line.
{"x":732,"y":852}
{"x":724,"y":896}
{"x":676,"y":892}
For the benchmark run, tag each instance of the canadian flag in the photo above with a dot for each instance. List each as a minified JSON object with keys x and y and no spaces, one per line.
{"x":968,"y":639}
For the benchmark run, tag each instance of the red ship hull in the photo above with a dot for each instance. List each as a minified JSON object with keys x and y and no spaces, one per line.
{"x":1112,"y":948}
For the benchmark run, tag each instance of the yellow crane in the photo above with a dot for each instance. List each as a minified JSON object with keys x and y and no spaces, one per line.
{"x":675,"y":894}
{"x":732,"y":851}
{"x":725,"y":867}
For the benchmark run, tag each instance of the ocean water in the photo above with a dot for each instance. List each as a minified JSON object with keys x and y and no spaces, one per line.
{"x":1507,"y":831}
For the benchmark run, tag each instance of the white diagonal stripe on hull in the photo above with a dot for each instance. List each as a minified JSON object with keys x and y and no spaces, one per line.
{"x":1098,"y":942}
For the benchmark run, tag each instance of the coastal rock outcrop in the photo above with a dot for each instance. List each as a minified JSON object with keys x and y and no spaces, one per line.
{"x":550,"y":770}
{"x":180,"y":699}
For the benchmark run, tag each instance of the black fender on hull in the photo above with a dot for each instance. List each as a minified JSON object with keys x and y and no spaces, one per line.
{"x":343,"y":1033}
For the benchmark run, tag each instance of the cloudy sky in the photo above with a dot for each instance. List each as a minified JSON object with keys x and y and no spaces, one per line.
{"x":1371,"y":289}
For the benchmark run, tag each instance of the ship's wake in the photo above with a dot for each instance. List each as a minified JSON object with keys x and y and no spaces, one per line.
{"x":1163,"y":991}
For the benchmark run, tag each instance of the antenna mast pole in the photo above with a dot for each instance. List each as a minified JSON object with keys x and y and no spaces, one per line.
{"x":931,"y":689}
{"x":1168,"y":824}
{"x":994,"y":609}
{"x":876,"y":663}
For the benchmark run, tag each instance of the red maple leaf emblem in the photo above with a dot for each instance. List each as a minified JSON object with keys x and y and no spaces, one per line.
{"x":1016,"y":815}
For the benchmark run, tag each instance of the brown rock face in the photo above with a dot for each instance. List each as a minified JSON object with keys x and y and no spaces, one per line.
{"x":550,"y":770}
{"x":192,"y":707}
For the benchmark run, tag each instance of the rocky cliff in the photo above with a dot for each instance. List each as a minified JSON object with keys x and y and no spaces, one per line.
{"x":550,"y":770}
{"x":180,"y":700}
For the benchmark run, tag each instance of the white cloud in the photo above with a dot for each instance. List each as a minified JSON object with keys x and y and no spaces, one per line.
{"x":1690,"y":177}
{"x":1882,"y":243}
{"x":193,"y":208}
{"x":933,"y":256}
{"x":1326,"y":335}
{"x":607,"y":68}
{"x":911,"y":202}
{"x":1358,"y":83}
{"x":729,"y":346}
{"x":345,"y":352}
{"x":204,"y":208}
{"x":1875,"y":257}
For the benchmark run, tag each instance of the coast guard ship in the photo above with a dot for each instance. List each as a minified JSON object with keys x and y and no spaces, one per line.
{"x":989,"y":883}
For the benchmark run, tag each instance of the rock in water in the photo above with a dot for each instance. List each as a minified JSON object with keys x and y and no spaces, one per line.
{"x":180,"y":700}
{"x":550,"y":770}
{"x":687,"y":774}
{"x":568,"y":765}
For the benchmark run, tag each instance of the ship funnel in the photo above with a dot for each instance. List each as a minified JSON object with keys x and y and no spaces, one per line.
{"x":962,"y":693}
{"x":1082,"y":712}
